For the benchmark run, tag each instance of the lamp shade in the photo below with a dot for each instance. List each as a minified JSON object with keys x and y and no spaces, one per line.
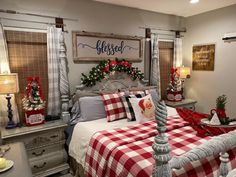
{"x":9,"y":83}
{"x":184,"y":72}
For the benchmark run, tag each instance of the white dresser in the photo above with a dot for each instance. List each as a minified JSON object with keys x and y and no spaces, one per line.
{"x":44,"y":145}
{"x":185,"y":103}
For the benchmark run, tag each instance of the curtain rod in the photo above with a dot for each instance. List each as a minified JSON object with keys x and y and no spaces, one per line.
{"x":30,"y":21}
{"x":33,"y":14}
{"x":162,"y":29}
{"x":21,"y":27}
{"x":168,"y":34}
{"x":164,"y":34}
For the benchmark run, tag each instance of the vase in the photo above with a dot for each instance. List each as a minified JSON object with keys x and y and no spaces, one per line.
{"x":221,"y":115}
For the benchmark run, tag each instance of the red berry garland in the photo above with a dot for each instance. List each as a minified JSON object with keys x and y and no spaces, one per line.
{"x":104,"y":68}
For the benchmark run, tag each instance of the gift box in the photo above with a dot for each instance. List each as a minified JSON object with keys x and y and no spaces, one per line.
{"x":34,"y":117}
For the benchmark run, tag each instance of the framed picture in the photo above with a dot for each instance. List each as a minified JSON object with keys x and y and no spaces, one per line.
{"x":99,"y":46}
{"x":203,"y":57}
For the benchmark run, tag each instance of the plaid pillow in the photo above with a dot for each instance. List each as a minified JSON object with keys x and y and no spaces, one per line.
{"x":114,"y":106}
{"x":128,"y":107}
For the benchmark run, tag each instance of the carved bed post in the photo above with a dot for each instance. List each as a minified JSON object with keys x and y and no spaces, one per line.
{"x":161,"y":146}
{"x":64,"y":83}
{"x":218,"y":144}
{"x":224,"y":158}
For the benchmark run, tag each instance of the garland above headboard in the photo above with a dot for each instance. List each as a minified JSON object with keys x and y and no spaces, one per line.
{"x":106,"y":67}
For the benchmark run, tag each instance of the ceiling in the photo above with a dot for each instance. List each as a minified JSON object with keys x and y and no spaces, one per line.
{"x":174,"y":7}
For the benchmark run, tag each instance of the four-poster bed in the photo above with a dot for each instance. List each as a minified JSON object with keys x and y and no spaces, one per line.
{"x":132,"y":156}
{"x":163,"y":161}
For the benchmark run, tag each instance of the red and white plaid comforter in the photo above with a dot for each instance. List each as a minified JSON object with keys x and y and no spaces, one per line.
{"x":104,"y":142}
{"x":136,"y":160}
{"x":127,"y":152}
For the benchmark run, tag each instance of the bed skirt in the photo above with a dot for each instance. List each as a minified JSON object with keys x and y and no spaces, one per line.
{"x":77,"y":169}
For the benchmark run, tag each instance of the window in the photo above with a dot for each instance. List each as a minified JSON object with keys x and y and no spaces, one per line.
{"x":28,"y":57}
{"x":166,"y":50}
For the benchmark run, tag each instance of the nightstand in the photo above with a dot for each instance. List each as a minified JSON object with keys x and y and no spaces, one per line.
{"x":186,"y":103}
{"x":44,"y":145}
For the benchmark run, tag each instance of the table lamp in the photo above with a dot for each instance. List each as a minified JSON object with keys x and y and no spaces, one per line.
{"x":9,"y":85}
{"x":184,"y":73}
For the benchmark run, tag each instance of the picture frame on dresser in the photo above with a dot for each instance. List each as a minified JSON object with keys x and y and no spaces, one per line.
{"x":44,"y":146}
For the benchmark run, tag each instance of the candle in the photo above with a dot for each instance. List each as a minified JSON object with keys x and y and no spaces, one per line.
{"x":2,"y":163}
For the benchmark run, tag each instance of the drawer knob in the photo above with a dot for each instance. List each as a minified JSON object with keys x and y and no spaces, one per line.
{"x":38,"y":154}
{"x":40,"y":166}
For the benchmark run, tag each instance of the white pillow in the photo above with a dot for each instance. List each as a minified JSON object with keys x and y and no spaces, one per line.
{"x":144,"y":108}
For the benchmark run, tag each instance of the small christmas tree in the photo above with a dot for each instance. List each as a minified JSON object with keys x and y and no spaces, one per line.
{"x":220,"y":109}
{"x":174,"y":89}
{"x":33,"y":100}
{"x":175,"y":82}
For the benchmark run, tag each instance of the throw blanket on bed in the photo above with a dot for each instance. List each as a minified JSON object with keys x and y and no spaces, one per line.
{"x":194,"y":118}
{"x":136,"y":159}
{"x":104,"y":142}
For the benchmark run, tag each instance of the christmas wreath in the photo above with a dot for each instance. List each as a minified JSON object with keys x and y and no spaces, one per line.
{"x":105,"y":67}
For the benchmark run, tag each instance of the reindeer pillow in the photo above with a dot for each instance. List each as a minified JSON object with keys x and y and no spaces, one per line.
{"x":144,"y":108}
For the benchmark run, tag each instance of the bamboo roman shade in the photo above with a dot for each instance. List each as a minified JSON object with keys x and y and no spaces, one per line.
{"x":28,"y":57}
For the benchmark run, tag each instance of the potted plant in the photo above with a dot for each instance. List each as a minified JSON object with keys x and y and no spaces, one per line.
{"x":220,"y":109}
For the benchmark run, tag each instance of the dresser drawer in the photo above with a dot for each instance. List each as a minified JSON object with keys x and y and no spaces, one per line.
{"x":39,"y":139}
{"x":43,"y":150}
{"x":48,"y":161}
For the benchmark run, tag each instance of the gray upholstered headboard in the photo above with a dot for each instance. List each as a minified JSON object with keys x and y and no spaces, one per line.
{"x":113,"y":82}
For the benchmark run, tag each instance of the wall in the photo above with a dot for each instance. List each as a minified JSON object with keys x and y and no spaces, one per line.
{"x":206,"y":86}
{"x":93,"y":17}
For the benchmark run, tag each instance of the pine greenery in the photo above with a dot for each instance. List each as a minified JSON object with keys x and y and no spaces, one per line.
{"x":221,"y":102}
{"x":105,"y":67}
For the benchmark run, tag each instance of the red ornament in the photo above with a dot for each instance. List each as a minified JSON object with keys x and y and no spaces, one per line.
{"x":112,"y":63}
{"x":106,"y":69}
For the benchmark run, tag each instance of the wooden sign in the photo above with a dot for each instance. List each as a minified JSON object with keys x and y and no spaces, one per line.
{"x":99,"y":46}
{"x":203,"y":57}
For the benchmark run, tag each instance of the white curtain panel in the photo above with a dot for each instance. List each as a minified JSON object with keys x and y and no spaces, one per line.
{"x":4,"y":68}
{"x":155,"y":66}
{"x":53,"y":46}
{"x":178,"y":55}
{"x":64,"y":81}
